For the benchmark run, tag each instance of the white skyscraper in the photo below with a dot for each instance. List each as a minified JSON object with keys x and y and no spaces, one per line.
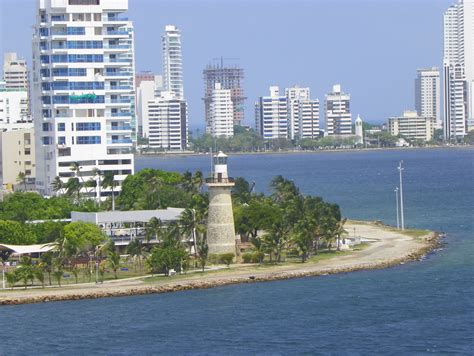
{"x":172,"y":61}
{"x":84,"y":95}
{"x":221,"y":113}
{"x":13,"y":106}
{"x":294,"y":96}
{"x":271,"y":115}
{"x":338,"y":112}
{"x":458,"y":71}
{"x":427,"y":94}
{"x":167,"y":119}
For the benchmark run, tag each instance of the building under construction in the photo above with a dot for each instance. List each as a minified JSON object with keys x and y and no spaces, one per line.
{"x":230,"y":77}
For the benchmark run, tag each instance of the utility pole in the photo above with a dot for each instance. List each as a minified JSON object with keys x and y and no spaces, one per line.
{"x":402,"y":220}
{"x":398,"y":214}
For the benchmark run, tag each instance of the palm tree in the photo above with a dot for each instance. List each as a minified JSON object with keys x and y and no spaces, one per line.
{"x":188,"y":182}
{"x":340,"y":232}
{"x":98,"y":173}
{"x":202,"y":247}
{"x":154,"y":183}
{"x":113,"y":259}
{"x":136,"y":250}
{"x":198,"y":181}
{"x":57,"y":185}
{"x":172,"y":235}
{"x":21,"y":179}
{"x":153,"y":229}
{"x":109,"y":182}
{"x":189,"y":223}
{"x":73,"y":187}
{"x":46,"y":264}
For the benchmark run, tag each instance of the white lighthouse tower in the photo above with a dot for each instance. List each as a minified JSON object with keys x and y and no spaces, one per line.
{"x":220,"y":222}
{"x":359,"y":132}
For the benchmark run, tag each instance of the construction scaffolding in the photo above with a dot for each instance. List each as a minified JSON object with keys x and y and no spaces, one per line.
{"x":230,"y":77}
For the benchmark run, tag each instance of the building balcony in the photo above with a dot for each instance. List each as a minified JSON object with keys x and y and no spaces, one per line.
{"x":116,"y":33}
{"x":118,"y":101}
{"x":119,"y":141}
{"x":119,"y":128}
{"x":120,"y":114}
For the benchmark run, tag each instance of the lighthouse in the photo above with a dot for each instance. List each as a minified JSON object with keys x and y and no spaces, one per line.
{"x":359,"y":132}
{"x":220,"y":221}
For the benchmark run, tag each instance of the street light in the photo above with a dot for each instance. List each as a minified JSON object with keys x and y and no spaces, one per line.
{"x":402,"y":220}
{"x":398,"y":214}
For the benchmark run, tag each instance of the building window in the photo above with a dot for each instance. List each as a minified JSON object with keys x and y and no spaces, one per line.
{"x":84,"y":2}
{"x":88,"y":140}
{"x":88,"y":126}
{"x":47,"y":140}
{"x":61,"y":140}
{"x":76,"y":31}
{"x":43,"y":31}
{"x":61,"y":126}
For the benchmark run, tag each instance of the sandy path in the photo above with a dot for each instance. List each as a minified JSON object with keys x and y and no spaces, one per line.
{"x":387,"y":248}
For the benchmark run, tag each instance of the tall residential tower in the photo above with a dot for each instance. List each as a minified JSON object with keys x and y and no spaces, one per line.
{"x":83,"y":85}
{"x":173,"y":61}
{"x":338,"y":112}
{"x":458,"y":69}
{"x":427,"y":94}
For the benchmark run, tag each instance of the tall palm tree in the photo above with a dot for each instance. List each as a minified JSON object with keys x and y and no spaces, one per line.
{"x":58,"y":185}
{"x":98,"y":173}
{"x":153,"y":229}
{"x":189,"y":223}
{"x":136,"y":250}
{"x":21,"y":179}
{"x":110,"y":182}
{"x":198,"y":181}
{"x":154,"y":184}
{"x":73,"y":187}
{"x":340,"y":232}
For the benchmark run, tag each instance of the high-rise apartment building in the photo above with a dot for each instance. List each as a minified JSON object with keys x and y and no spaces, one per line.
{"x":338,"y":112}
{"x":167,"y":119}
{"x":84,"y":95}
{"x":271,"y":115}
{"x":427,"y":94}
{"x":221,"y":113}
{"x":230,"y":78}
{"x":458,"y":69}
{"x":148,"y":86}
{"x":294,"y":96}
{"x":308,"y":119}
{"x":173,"y":61}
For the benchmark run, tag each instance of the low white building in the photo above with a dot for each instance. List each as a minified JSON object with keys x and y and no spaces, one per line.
{"x":412,"y":126}
{"x":124,"y":226}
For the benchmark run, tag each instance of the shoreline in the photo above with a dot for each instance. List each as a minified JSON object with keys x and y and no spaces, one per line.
{"x":345,"y":150}
{"x":387,"y":248}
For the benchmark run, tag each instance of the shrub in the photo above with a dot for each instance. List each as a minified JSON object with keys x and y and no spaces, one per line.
{"x":247,"y":257}
{"x":227,"y":258}
{"x":257,"y":257}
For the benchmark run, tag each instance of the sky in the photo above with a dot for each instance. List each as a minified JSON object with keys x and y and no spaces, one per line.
{"x":371,"y":47}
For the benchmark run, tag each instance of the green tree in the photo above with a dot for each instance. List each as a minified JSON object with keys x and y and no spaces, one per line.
{"x":11,"y":278}
{"x":21,"y":179}
{"x":136,"y":250}
{"x":46,"y":264}
{"x":153,"y":229}
{"x":26,"y":271}
{"x":113,"y":259}
{"x":58,"y":186}
{"x":110,"y":182}
{"x":16,"y":233}
{"x":163,"y":259}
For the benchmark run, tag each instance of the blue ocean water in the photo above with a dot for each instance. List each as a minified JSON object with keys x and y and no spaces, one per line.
{"x":417,"y":308}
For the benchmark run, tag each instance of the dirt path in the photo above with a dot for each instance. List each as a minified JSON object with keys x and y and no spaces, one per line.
{"x":387,"y":247}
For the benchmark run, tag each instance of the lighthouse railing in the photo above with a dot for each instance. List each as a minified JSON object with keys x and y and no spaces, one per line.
{"x":220,"y":180}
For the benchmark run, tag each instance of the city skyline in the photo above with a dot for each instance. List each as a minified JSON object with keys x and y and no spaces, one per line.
{"x":356,"y":66}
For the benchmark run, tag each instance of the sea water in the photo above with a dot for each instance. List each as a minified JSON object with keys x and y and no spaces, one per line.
{"x":416,"y":308}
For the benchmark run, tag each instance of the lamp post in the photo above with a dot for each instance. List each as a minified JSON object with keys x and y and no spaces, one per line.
{"x":398,"y":214}
{"x":402,"y":220}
